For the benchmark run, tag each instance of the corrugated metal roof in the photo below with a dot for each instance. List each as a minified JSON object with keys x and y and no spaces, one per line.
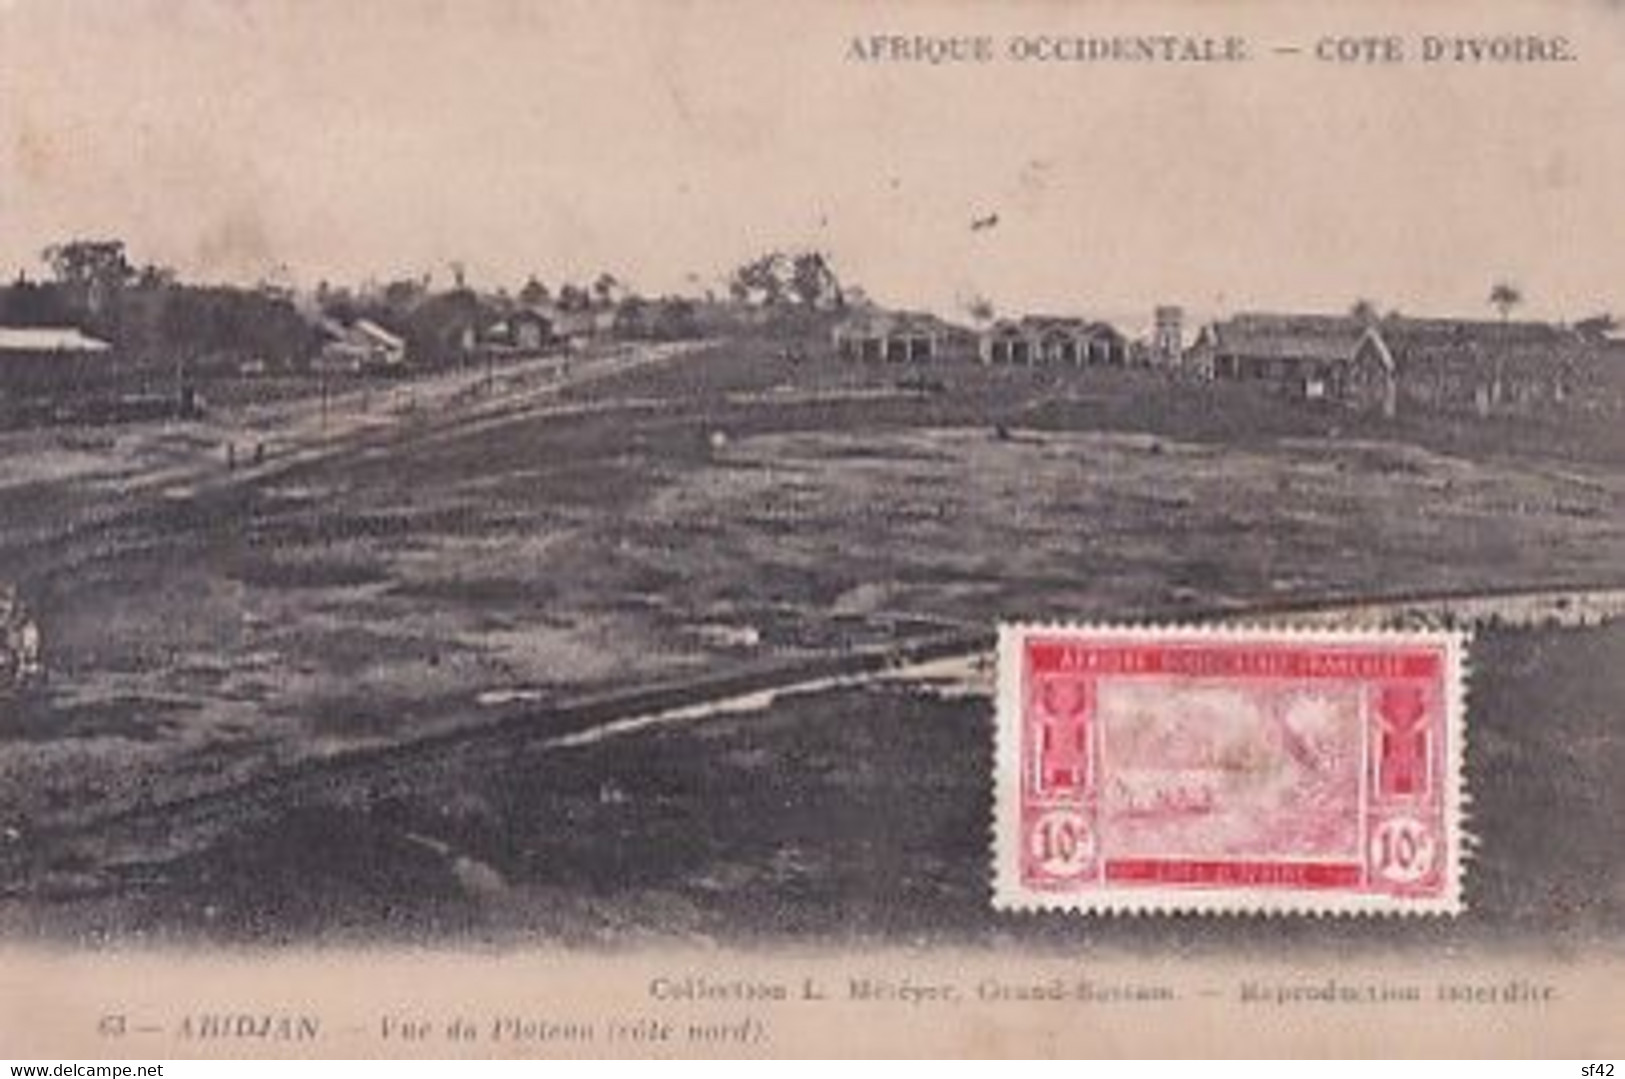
{"x":48,"y":339}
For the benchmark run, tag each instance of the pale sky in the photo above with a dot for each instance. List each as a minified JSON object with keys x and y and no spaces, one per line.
{"x":661,"y":140}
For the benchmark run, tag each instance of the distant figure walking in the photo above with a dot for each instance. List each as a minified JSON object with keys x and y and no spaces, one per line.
{"x":21,"y":664}
{"x":231,"y":457}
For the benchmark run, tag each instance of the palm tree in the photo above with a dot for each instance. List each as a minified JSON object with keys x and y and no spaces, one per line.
{"x":1504,"y":296}
{"x":606,"y":288}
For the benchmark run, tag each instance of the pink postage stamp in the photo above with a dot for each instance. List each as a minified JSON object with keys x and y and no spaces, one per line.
{"x":1226,"y":769}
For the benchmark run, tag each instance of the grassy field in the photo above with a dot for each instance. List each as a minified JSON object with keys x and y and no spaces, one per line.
{"x":715,"y":511}
{"x":857,"y":816}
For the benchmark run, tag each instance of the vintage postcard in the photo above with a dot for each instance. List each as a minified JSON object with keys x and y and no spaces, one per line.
{"x":507,"y":510}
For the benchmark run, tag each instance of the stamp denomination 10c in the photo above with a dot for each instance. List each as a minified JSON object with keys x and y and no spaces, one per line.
{"x":1224,"y":769}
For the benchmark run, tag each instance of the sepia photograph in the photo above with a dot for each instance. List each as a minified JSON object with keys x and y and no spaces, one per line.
{"x":533,"y":478}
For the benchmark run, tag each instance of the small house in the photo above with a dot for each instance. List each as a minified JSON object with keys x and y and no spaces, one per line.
{"x":524,"y":331}
{"x":575,"y":326}
{"x":49,"y":360}
{"x":532,"y":330}
{"x":361,"y":345}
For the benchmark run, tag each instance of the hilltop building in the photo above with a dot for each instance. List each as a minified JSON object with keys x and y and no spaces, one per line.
{"x":1471,"y":365}
{"x":897,"y":336}
{"x":1041,"y":339}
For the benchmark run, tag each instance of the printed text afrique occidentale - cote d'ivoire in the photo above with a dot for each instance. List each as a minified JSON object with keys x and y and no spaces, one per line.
{"x":1186,"y":49}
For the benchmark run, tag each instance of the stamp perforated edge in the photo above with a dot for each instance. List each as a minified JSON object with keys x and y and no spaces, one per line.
{"x":1010,"y":896}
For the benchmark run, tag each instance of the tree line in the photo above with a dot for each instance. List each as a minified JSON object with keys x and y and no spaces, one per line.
{"x":149,"y":313}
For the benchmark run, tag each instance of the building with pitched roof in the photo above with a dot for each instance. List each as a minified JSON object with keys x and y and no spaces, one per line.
{"x":898,"y":336}
{"x":38,"y":360}
{"x":1042,"y":339}
{"x":361,"y":345}
{"x":1435,"y":363}
{"x":1488,"y":366}
{"x":1309,"y":357}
